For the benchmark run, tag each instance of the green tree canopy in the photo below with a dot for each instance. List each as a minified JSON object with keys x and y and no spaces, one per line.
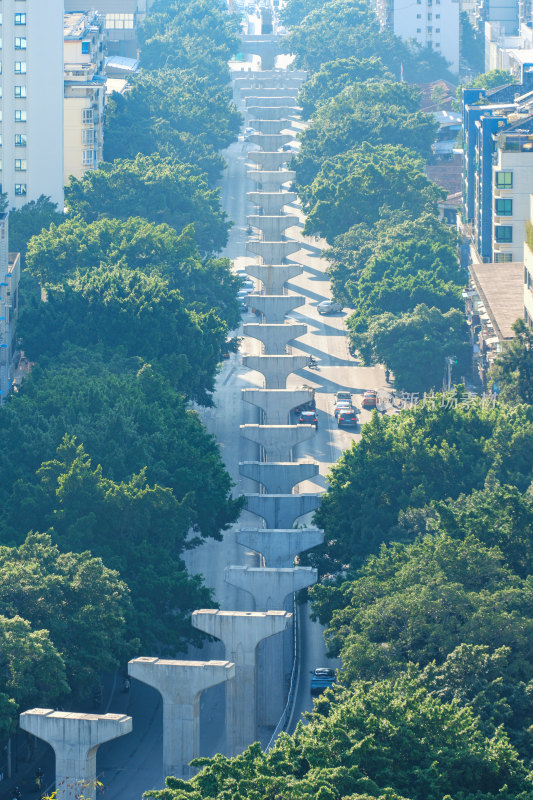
{"x":158,"y":189}
{"x":29,"y":220}
{"x":436,"y":450}
{"x":353,"y":187}
{"x":334,"y":76}
{"x":512,"y":371}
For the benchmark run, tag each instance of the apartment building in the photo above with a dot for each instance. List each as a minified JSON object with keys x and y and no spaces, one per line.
{"x":429,"y":23}
{"x":498,"y":168}
{"x":9,"y":302}
{"x":31,"y":117}
{"x":84,"y":54}
{"x":122,"y":19}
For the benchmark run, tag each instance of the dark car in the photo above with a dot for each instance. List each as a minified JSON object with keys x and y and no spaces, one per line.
{"x":347,"y":417}
{"x":322,"y":678}
{"x":308,"y":418}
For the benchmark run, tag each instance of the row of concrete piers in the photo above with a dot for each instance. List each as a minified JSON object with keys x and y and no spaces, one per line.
{"x":269,"y":100}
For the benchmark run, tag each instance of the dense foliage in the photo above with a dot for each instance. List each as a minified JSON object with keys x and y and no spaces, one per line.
{"x":512,"y":371}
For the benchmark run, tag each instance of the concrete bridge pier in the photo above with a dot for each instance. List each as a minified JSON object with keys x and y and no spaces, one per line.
{"x":276,"y":369}
{"x":288,"y":111}
{"x":281,"y":510}
{"x":272,"y":252}
{"x":280,"y":477}
{"x":274,"y":276}
{"x":271,"y":125}
{"x":271,"y":180}
{"x":280,"y":547}
{"x":180,"y":684}
{"x":275,"y":337}
{"x":270,"y":142}
{"x":75,"y":739}
{"x":271,"y":203}
{"x":270,"y":586}
{"x":274,"y":307}
{"x":278,"y":440}
{"x":272,"y":226}
{"x":241,"y":632}
{"x":277,"y":404}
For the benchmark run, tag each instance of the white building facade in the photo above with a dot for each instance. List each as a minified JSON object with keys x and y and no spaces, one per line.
{"x":429,"y":23}
{"x":31,"y":125}
{"x":85,"y":52}
{"x":122,"y":18}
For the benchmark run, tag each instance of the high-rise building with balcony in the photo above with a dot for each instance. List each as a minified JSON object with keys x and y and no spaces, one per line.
{"x":31,"y":121}
{"x":85,"y":79}
{"x":122,"y":18}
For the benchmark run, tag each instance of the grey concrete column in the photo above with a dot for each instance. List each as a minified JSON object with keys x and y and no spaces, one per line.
{"x":271,"y":202}
{"x":262,"y":75}
{"x":264,"y":45}
{"x":272,"y":227}
{"x":278,"y":440}
{"x":274,"y":307}
{"x":276,"y":369}
{"x":274,"y":276}
{"x":277,"y":404}
{"x":280,"y":547}
{"x":271,"y":180}
{"x":75,"y":739}
{"x":270,"y":125}
{"x":270,"y":142}
{"x":281,"y":510}
{"x":279,"y":92}
{"x":261,"y":111}
{"x":180,"y":684}
{"x":269,"y":101}
{"x":278,"y":478}
{"x":241,"y":632}
{"x":272,"y":252}
{"x":270,"y":586}
{"x":275,"y":337}
{"x":269,"y":161}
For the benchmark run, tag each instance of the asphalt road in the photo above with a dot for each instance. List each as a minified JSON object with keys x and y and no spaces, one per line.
{"x":134,"y":764}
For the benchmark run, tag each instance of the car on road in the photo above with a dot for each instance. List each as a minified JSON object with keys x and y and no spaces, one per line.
{"x":347,"y":418}
{"x":310,"y":405}
{"x":343,"y":395}
{"x":308,"y":418}
{"x":322,"y":678}
{"x":370,"y":399}
{"x":328,"y":307}
{"x":247,"y":133}
{"x":342,"y":405}
{"x":247,"y":283}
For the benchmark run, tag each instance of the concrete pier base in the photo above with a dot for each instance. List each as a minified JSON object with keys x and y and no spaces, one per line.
{"x":280,"y":547}
{"x":271,"y":180}
{"x":271,"y":202}
{"x":261,"y":111}
{"x":75,"y":739}
{"x":270,"y":586}
{"x":241,"y":632}
{"x":272,"y":252}
{"x":274,"y":307}
{"x":275,"y":369}
{"x":270,"y":125}
{"x":278,"y":478}
{"x":180,"y":684}
{"x":266,"y":75}
{"x":269,"y":161}
{"x":269,"y":99}
{"x":275,"y":337}
{"x":272,"y":226}
{"x":281,"y":510}
{"x":274,"y":276}
{"x":270,"y":142}
{"x":278,"y":440}
{"x":277,"y":404}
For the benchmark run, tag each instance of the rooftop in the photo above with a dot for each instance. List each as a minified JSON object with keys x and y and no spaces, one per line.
{"x":501,"y":289}
{"x":77,"y":23}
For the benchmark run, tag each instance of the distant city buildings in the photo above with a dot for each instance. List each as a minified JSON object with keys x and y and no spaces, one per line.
{"x":85,"y":79}
{"x":31,"y":121}
{"x":122,"y":19}
{"x":429,"y":23}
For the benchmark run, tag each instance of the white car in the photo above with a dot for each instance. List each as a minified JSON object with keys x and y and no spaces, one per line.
{"x":342,"y":405}
{"x":328,"y":307}
{"x":247,"y":133}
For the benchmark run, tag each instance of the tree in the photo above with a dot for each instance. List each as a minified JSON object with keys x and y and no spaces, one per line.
{"x":334,"y":76}
{"x":75,"y":246}
{"x":160,"y":190}
{"x":383,"y":112}
{"x":415,"y":344}
{"x":436,"y":450}
{"x":118,"y":307}
{"x":81,"y":604}
{"x":353,"y":187}
{"x":382,"y":740}
{"x":512,"y":371}
{"x":29,"y":220}
{"x":492,"y":79}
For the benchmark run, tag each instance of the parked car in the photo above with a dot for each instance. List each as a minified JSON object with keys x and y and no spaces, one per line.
{"x":247,"y":283}
{"x":322,"y":678}
{"x":244,"y":293}
{"x":308,"y":418}
{"x":342,"y":405}
{"x":343,"y":395}
{"x":347,"y":417}
{"x":370,"y":399}
{"x":328,"y":307}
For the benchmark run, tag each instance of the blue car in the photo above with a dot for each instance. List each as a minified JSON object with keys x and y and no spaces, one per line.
{"x":321,"y":679}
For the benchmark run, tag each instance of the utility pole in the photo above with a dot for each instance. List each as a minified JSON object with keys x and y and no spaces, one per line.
{"x":449,"y":362}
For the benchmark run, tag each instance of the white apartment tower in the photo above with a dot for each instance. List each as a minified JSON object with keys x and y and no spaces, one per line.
{"x":31,"y":121}
{"x":429,"y":23}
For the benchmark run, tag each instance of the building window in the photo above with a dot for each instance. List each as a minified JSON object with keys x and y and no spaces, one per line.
{"x":503,"y":258}
{"x":20,"y":189}
{"x":503,"y":233}
{"x":419,"y":16}
{"x":437,"y":44}
{"x":20,"y":67}
{"x":504,"y":180}
{"x":419,"y":30}
{"x":20,"y":115}
{"x":437,"y":16}
{"x":437,"y":30}
{"x":87,"y":158}
{"x":20,"y":19}
{"x":504,"y":207}
{"x":20,"y":91}
{"x":20,"y":42}
{"x":430,"y":29}
{"x":87,"y":116}
{"x":85,"y":48}
{"x":20,"y":165}
{"x":21,"y":140}
{"x":87,"y":136}
{"x":429,"y":17}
